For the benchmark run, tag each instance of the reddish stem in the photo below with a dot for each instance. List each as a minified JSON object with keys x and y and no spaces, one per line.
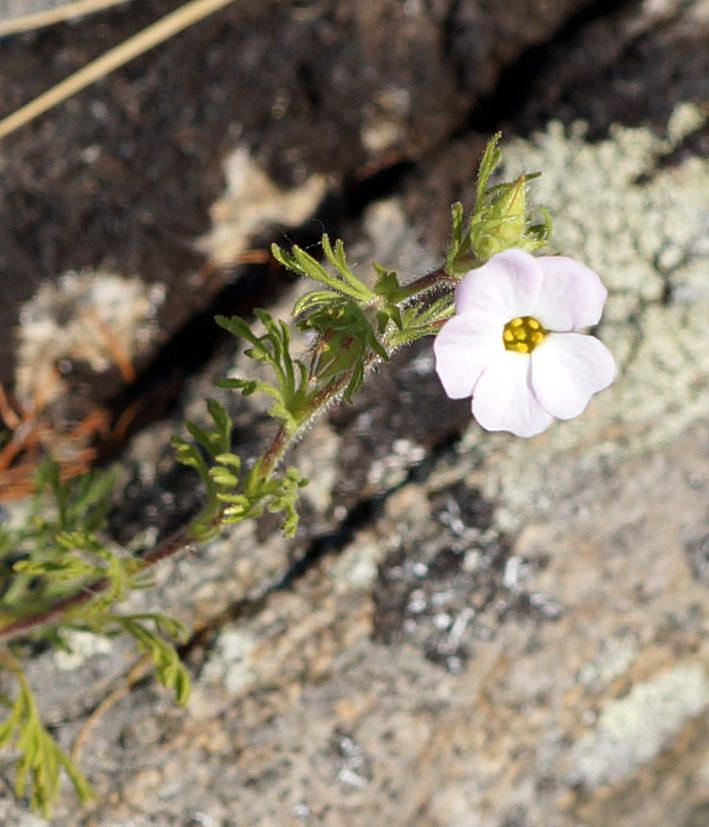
{"x":21,"y":625}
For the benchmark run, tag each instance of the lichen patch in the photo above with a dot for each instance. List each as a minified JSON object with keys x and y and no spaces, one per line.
{"x":99,"y":318}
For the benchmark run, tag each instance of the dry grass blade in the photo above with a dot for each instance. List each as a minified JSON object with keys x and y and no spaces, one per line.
{"x":137,"y":671}
{"x":40,"y":19}
{"x":153,"y":35}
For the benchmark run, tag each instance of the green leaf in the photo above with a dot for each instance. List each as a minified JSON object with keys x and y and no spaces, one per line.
{"x":350,"y":283}
{"x":290,"y":390}
{"x":300,"y":262}
{"x":387,"y":281}
{"x":230,"y":460}
{"x":342,"y":281}
{"x":318,"y":300}
{"x":223,"y":477}
{"x":169,"y":669}
{"x":275,"y":493}
{"x":246,"y":386}
{"x":80,"y":502}
{"x":188,"y":454}
{"x":490,"y":159}
{"x":222,"y":422}
{"x":37,"y":768}
{"x":420,"y":320}
{"x":237,"y":327}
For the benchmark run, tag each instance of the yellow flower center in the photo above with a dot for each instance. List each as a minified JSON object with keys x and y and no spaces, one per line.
{"x":523,"y":334}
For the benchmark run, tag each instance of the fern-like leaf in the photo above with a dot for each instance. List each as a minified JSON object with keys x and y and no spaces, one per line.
{"x":37,"y":770}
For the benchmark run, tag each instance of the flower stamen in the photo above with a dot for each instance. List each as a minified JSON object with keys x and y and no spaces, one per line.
{"x":523,"y":334}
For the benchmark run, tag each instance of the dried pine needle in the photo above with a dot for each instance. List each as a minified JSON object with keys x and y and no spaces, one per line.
{"x":151,"y":36}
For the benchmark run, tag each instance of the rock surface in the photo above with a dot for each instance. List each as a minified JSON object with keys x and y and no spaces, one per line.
{"x":468,"y":629}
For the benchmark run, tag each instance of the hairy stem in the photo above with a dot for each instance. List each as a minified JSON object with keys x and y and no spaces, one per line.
{"x":90,"y":591}
{"x":431,"y":281}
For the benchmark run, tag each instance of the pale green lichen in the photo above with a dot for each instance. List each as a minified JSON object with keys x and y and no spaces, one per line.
{"x":252,"y":202}
{"x":632,"y":730}
{"x":615,"y":656}
{"x":89,"y":317}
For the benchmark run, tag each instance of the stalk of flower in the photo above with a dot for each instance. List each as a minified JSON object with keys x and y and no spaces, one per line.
{"x":514,"y":344}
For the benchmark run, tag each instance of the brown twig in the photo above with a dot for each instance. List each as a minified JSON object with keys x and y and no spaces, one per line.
{"x":7,"y":412}
{"x":118,"y":353}
{"x":147,"y":39}
{"x":136,"y":672}
{"x":22,"y":625}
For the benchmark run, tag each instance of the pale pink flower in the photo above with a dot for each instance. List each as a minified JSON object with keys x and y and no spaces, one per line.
{"x":513,"y":343}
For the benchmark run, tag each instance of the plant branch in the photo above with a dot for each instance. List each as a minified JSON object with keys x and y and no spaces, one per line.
{"x":281,"y":443}
{"x":90,"y":591}
{"x":438,"y":278}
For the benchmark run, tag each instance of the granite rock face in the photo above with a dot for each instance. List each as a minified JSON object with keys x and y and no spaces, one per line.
{"x":468,"y":629}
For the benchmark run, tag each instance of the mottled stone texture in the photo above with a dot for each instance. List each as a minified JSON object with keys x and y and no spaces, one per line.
{"x":468,"y":630}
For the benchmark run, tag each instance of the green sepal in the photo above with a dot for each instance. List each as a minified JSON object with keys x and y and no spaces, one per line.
{"x":455,"y":252}
{"x":499,"y":220}
{"x":344,"y":342}
{"x":421,"y":320}
{"x":490,"y":159}
{"x":246,"y":386}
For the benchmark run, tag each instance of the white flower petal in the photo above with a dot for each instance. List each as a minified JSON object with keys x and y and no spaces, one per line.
{"x":507,"y":286}
{"x":464,"y":347}
{"x":504,"y":401}
{"x":572,"y":295}
{"x":567,"y":369}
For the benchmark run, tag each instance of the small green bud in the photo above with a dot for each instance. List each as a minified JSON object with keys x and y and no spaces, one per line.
{"x":502,"y":223}
{"x":509,"y":206}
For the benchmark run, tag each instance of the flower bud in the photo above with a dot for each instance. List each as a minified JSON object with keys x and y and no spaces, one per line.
{"x":503,"y":222}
